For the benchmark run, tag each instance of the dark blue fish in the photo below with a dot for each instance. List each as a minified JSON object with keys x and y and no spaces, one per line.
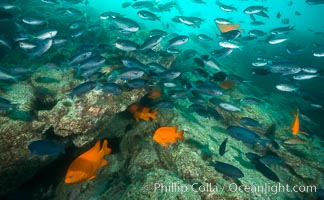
{"x":82,"y":89}
{"x":228,"y":170}
{"x":249,"y":122}
{"x":251,"y":100}
{"x":243,"y":134}
{"x":271,"y":159}
{"x":165,"y":104}
{"x":46,"y":147}
{"x":137,"y":83}
{"x":111,"y":88}
{"x":222,"y":147}
{"x":6,"y":105}
{"x":207,"y":88}
{"x":215,"y":101}
{"x":263,"y":169}
{"x":221,"y":52}
{"x":199,"y":109}
{"x":178,"y":94}
{"x":133,"y":63}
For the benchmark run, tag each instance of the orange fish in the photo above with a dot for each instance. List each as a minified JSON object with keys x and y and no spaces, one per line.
{"x":227,"y":84}
{"x":86,"y":165}
{"x":140,"y":112}
{"x":228,"y":27}
{"x":294,"y":128}
{"x":154,"y":94}
{"x":166,"y":135}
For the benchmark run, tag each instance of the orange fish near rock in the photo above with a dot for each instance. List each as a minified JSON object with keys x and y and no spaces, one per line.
{"x":167,"y":134}
{"x":139,"y":112}
{"x":294,"y":128}
{"x":86,"y":165}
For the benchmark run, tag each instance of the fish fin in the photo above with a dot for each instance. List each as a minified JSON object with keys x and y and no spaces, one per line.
{"x":180,"y":135}
{"x":92,"y":177}
{"x":103,"y":163}
{"x":304,"y":133}
{"x":97,"y":146}
{"x":106,"y":150}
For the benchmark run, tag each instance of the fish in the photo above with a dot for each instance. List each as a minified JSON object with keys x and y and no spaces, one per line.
{"x":277,"y":40}
{"x":278,"y":15}
{"x":204,"y":37}
{"x":82,"y":89}
{"x":34,"y":21}
{"x":41,"y":48}
{"x":6,"y":41}
{"x":219,"y":76}
{"x":255,"y":10}
{"x":131,"y":73}
{"x":46,"y":34}
{"x":221,"y":52}
{"x":194,"y":22}
{"x":178,"y":40}
{"x":151,"y":42}
{"x":79,"y":56}
{"x":85,"y":166}
{"x":227,"y":84}
{"x":46,"y":148}
{"x":222,"y":21}
{"x":247,"y":121}
{"x":318,"y":53}
{"x":167,"y":135}
{"x":246,"y":135}
{"x":271,"y":159}
{"x":282,"y":30}
{"x":136,"y":83}
{"x":222,"y":147}
{"x":223,"y":28}
{"x":6,"y":105}
{"x":295,"y":125}
{"x":148,"y":15}
{"x":6,"y":75}
{"x":133,"y":63}
{"x":111,"y":88}
{"x":295,"y":141}
{"x":140,"y":112}
{"x":207,"y":88}
{"x":156,"y":67}
{"x":169,"y":74}
{"x":315,"y":2}
{"x":226,"y":8}
{"x":91,"y":62}
{"x":304,"y":76}
{"x":228,"y":44}
{"x":126,"y":24}
{"x":229,"y":107}
{"x":263,"y":169}
{"x":227,"y":169}
{"x":285,"y":21}
{"x":256,"y":33}
{"x":286,"y":87}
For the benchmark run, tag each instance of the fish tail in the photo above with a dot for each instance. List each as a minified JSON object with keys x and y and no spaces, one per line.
{"x":180,"y":135}
{"x":154,"y":114}
{"x":106,"y":150}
